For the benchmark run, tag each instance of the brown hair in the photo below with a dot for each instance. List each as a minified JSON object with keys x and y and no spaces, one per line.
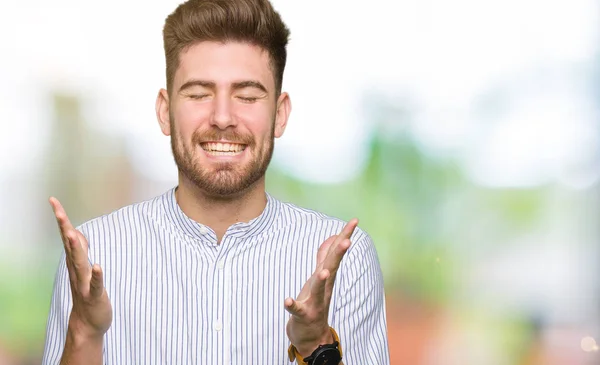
{"x":251,"y":21}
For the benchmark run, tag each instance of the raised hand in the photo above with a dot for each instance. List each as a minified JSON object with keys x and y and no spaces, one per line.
{"x":308,"y":327}
{"x":91,"y":315}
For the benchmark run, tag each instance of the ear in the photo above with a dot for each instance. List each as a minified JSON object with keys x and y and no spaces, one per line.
{"x":162,"y":111}
{"x":284,"y":108}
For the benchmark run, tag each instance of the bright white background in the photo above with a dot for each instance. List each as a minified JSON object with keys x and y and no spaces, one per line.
{"x":442,"y":58}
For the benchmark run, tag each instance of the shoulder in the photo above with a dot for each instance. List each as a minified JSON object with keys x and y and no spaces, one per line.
{"x":293,"y":216}
{"x":130,"y":218}
{"x":360,"y":266}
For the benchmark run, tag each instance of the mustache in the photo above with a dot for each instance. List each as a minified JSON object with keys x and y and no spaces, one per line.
{"x":216,"y":135}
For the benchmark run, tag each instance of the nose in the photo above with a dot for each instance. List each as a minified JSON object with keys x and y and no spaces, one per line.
{"x":222,"y":116}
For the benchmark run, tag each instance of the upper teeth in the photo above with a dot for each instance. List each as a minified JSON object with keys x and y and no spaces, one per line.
{"x":223,"y":147}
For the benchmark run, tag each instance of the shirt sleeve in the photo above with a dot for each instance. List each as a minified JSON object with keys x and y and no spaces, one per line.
{"x":58,"y":318}
{"x":359,"y":314}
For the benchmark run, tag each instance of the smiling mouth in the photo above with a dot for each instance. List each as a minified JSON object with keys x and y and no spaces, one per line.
{"x":223,"y":149}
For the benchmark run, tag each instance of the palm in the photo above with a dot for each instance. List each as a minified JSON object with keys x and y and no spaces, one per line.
{"x":92,"y":311}
{"x":308,"y":325}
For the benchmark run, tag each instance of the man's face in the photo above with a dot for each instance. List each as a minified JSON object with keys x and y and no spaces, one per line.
{"x":223,"y":115}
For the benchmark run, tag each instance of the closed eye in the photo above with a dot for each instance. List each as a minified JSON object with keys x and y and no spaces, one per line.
{"x":247,"y":99}
{"x":197,"y":96}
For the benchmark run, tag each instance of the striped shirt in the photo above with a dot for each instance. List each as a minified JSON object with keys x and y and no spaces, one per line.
{"x":179,"y":297}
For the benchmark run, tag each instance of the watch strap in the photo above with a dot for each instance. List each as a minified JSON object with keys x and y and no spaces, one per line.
{"x":294,"y":355}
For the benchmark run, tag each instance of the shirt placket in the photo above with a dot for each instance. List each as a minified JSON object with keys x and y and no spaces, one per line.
{"x":223,"y":283}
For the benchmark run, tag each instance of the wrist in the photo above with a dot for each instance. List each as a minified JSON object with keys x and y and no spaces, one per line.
{"x":82,"y":346}
{"x":80,"y":333}
{"x":306,"y":348}
{"x":329,"y":352}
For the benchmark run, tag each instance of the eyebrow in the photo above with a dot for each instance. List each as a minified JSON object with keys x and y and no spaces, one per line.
{"x":192,"y":83}
{"x":236,"y":85}
{"x":249,"y":83}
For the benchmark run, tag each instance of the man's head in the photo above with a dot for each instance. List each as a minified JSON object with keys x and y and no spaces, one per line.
{"x":247,"y":21}
{"x":223,"y":105}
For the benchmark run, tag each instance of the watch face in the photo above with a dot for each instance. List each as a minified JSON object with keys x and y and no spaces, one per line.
{"x":329,"y":356}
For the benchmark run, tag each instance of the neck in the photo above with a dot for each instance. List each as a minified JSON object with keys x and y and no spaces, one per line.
{"x":217,"y":212}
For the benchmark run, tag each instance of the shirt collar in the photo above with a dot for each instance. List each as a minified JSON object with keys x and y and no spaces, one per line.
{"x":204,"y":233}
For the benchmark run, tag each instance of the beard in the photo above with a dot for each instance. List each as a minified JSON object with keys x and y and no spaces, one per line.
{"x":224,"y":179}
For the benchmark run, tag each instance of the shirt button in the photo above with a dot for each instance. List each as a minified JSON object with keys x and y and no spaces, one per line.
{"x":220,"y":265}
{"x":218,"y":326}
{"x":203,"y":230}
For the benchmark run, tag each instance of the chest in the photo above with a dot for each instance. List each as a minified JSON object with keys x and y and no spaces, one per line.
{"x":184,"y":301}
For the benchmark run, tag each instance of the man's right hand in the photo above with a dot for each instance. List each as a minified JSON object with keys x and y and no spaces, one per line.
{"x":91,"y":315}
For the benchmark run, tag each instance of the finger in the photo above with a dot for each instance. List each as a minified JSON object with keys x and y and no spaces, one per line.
{"x":335,"y":256}
{"x":318,"y":286}
{"x":79,"y":259}
{"x":348,"y":229}
{"x":71,"y":267}
{"x":292,"y":307}
{"x":322,"y":253}
{"x":343,"y":247}
{"x":83,"y":241}
{"x":346,"y":232}
{"x":60,"y":214}
{"x":97,"y":282}
{"x":64,"y":224}
{"x":72,"y":274}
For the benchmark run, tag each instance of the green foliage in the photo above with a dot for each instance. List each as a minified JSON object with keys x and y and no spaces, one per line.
{"x":417,"y":210}
{"x":25,"y":292}
{"x":397,"y":199}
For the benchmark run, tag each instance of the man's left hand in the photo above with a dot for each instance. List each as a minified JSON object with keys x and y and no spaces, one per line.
{"x":308,"y":327}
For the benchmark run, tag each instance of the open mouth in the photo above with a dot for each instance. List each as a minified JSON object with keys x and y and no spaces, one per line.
{"x":223,"y":149}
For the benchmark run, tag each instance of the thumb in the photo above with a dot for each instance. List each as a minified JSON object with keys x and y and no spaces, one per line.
{"x":97,"y":282}
{"x":292,"y":307}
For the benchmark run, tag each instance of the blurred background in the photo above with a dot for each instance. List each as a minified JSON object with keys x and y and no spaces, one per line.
{"x":464,"y":134}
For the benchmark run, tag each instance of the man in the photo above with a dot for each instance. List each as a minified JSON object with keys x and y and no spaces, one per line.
{"x":207,"y":272}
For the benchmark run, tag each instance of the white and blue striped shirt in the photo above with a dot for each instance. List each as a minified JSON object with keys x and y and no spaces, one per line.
{"x":178,"y":297}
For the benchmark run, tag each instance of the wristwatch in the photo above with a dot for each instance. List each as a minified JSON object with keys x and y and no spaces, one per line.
{"x":329,"y":354}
